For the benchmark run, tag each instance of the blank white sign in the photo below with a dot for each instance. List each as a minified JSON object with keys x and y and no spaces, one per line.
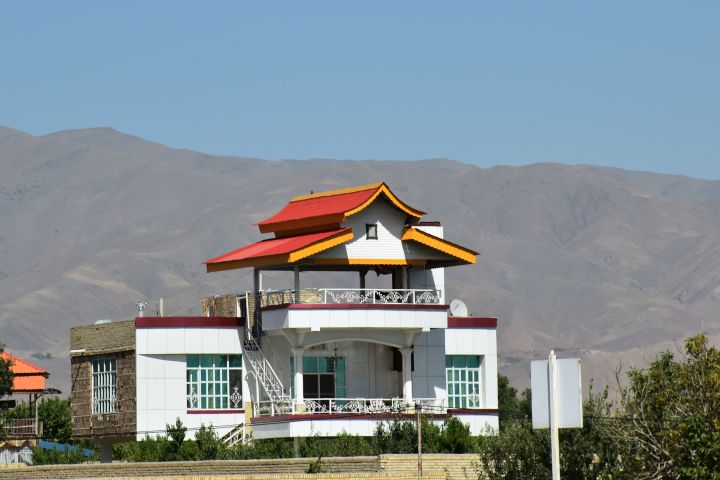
{"x":569,"y":394}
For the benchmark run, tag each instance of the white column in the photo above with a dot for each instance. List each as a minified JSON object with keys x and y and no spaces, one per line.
{"x":371,"y":370}
{"x":407,"y":373}
{"x":298,"y":362}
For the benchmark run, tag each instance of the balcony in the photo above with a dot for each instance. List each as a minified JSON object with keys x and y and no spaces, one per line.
{"x":20,"y":428}
{"x":367,"y":296}
{"x":333,"y":308}
{"x":355,"y":406}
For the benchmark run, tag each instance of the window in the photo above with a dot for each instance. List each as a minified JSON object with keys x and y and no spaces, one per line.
{"x":462,"y":374}
{"x":371,"y":232}
{"x":104,"y":375}
{"x":323,"y":377}
{"x":214,"y":381}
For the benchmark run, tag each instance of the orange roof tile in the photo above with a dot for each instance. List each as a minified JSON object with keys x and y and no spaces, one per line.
{"x":21,"y":366}
{"x":28,"y":383}
{"x":28,"y":377}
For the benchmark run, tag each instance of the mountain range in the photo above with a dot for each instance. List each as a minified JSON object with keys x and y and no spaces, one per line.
{"x":602,"y":263}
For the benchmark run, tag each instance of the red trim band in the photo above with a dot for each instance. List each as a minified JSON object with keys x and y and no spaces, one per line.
{"x":472,"y":322}
{"x":179,"y":322}
{"x":473,"y":411}
{"x":197,"y":412}
{"x":339,"y":416}
{"x":355,"y":306}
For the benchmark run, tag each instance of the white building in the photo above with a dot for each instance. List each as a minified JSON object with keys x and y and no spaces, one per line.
{"x":316,"y":359}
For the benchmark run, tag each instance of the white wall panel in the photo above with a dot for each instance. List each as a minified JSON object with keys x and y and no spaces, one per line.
{"x":175,"y":340}
{"x":156,"y":340}
{"x":193,"y":341}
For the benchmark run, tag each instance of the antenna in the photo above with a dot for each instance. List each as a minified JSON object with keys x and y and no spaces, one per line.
{"x":458,"y":308}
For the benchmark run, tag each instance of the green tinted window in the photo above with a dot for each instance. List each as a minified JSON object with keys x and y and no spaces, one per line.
{"x":207,"y":379}
{"x":462,"y":377}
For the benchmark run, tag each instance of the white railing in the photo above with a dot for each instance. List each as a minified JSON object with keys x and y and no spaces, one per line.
{"x":352,"y":295}
{"x":264,"y":372}
{"x":351,"y":405}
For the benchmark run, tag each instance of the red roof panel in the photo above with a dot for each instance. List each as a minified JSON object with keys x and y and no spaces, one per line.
{"x":275,"y":246}
{"x":321,"y":206}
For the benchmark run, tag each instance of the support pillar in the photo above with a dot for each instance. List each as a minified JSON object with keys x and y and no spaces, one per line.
{"x":407,"y":373}
{"x":371,"y":371}
{"x":105,"y":450}
{"x":296,"y":272}
{"x":404,"y":277}
{"x":362,"y":273}
{"x":257,"y":300}
{"x":298,"y":362}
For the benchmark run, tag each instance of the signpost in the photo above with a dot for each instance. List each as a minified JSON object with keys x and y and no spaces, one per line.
{"x":556,"y":399}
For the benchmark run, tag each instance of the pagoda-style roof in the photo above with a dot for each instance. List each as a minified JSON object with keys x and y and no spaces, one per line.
{"x":279,"y":251}
{"x":28,"y":378}
{"x":330,"y":208}
{"x":319,"y":232}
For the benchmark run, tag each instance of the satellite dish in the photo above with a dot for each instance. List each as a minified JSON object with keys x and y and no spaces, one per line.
{"x":458,"y":308}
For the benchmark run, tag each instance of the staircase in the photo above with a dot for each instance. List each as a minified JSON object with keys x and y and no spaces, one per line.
{"x":266,"y":376}
{"x":239,"y":434}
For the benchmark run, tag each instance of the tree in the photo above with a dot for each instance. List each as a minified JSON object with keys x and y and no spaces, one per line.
{"x":6,"y":374}
{"x":510,"y":407}
{"x":668,"y":424}
{"x":209,"y":444}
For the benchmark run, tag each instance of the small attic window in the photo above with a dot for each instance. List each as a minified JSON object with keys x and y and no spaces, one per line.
{"x":371,"y":231}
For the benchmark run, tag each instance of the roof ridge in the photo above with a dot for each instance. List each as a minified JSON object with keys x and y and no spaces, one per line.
{"x":339,"y":191}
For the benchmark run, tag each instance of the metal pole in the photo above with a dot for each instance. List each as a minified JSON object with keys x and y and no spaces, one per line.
{"x":418,"y":411}
{"x":554,"y":430}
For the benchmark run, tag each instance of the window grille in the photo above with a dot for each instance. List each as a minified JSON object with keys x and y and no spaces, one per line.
{"x":104,"y":377}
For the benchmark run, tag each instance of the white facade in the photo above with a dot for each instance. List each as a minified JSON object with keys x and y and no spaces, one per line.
{"x":343,"y":359}
{"x":388,"y":246}
{"x":161,"y":376}
{"x":370,"y":372}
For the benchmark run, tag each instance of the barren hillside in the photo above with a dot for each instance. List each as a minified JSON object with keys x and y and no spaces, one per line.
{"x":602,"y":262}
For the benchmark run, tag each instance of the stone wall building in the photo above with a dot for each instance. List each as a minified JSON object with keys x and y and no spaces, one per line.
{"x":103,"y":399}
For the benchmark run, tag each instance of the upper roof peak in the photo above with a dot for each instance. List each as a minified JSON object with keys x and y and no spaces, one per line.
{"x":339,"y":191}
{"x":330,"y":208}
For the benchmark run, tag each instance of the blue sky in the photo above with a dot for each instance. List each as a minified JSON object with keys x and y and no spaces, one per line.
{"x":630,"y":84}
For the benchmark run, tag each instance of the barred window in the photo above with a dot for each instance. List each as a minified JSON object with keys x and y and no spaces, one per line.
{"x":104,"y":377}
{"x":214,"y":382}
{"x":463,"y":376}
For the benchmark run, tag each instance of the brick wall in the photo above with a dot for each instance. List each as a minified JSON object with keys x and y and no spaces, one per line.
{"x":115,"y":339}
{"x":220,"y":306}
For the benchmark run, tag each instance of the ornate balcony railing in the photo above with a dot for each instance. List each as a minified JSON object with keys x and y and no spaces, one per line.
{"x":14,"y":428}
{"x":352,"y":295}
{"x":352,"y":405}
